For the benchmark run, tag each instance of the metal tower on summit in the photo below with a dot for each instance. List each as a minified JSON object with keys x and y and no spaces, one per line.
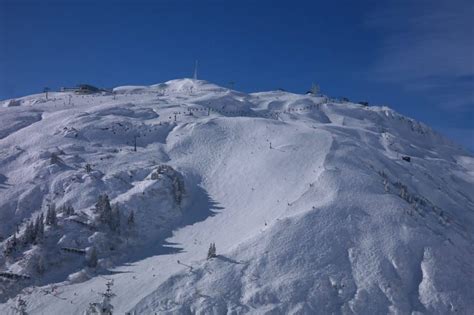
{"x":195,"y":77}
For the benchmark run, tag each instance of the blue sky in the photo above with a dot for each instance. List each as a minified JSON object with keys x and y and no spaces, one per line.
{"x":414,"y":56}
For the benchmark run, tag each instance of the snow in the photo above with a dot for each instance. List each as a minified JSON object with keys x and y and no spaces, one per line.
{"x":308,"y":201}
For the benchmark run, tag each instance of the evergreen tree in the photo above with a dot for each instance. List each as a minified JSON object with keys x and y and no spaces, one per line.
{"x":40,"y":265}
{"x":92,"y":258}
{"x":115,"y":218}
{"x":88,"y":168}
{"x":105,"y":306}
{"x":55,"y":158}
{"x":386,"y":187}
{"x":107,"y":296}
{"x":29,"y":235}
{"x":104,"y":209}
{"x":47,"y":216}
{"x":20,"y":307}
{"x":10,"y":246}
{"x":66,"y":209}
{"x":91,"y":309}
{"x":403,"y":192}
{"x":54,"y":217}
{"x":39,"y":228}
{"x":211,"y":253}
{"x":131,"y":220}
{"x":69,"y":210}
{"x":51,"y":215}
{"x":130,"y":225}
{"x":108,"y":215}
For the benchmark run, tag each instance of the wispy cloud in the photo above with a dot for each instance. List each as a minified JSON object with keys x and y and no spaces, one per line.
{"x":428,"y":46}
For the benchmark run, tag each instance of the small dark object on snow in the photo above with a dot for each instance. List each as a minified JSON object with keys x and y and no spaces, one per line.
{"x":88,"y":168}
{"x":406,"y":158}
{"x":364,"y":103}
{"x":74,"y":250}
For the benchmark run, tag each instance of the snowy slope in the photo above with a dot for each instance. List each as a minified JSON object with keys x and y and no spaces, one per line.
{"x":310,"y":204}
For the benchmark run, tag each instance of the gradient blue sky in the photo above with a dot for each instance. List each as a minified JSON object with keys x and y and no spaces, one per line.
{"x":417,"y":56}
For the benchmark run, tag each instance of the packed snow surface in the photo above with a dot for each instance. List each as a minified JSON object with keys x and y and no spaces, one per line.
{"x":316,"y":206}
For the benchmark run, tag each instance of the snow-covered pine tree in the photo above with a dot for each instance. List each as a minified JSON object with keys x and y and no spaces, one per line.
{"x":40,"y":265}
{"x":20,"y":306}
{"x":88,"y":168}
{"x":51,"y":215}
{"x":69,"y":210}
{"x":55,"y":158}
{"x":386,"y":186}
{"x":131,"y":220}
{"x":46,"y":218}
{"x":107,"y":298}
{"x":403,"y":192}
{"x":30,"y":234}
{"x":211,"y":253}
{"x":91,"y":309}
{"x":10,"y":246}
{"x":115,"y":219}
{"x":54,"y":216}
{"x":39,"y":228}
{"x":130,"y":225}
{"x":66,"y":209}
{"x":178,"y":188}
{"x":105,"y":306}
{"x":101,"y":203}
{"x":91,"y":258}
{"x":103,"y":208}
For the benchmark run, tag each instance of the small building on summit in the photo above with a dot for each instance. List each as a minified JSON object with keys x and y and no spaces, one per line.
{"x":88,"y":89}
{"x":83,"y":89}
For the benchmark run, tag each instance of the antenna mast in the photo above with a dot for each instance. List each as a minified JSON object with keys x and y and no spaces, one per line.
{"x":195,"y":77}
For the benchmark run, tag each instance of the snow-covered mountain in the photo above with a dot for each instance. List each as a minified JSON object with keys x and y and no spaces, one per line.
{"x":316,"y":206}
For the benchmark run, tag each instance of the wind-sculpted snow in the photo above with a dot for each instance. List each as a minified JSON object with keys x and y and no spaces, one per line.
{"x":316,"y":206}
{"x":127,"y":110}
{"x":13,"y":120}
